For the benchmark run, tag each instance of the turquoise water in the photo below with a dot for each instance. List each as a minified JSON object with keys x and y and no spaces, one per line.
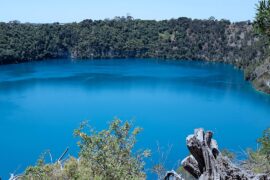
{"x":41,"y":103}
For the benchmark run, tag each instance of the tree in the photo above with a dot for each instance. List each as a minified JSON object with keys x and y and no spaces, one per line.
{"x":262,"y":20}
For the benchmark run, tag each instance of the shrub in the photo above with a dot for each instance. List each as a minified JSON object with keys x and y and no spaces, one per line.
{"x":107,"y":154}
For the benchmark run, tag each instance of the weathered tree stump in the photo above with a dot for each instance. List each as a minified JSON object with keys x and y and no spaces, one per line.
{"x":205,"y":161}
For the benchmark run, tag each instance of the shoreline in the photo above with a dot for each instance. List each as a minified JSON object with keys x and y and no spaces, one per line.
{"x":260,"y":85}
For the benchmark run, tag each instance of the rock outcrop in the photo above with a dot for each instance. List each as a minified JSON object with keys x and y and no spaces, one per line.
{"x":261,"y":76}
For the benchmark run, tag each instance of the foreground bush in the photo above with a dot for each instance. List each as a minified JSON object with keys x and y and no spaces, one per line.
{"x":103,"y":155}
{"x":259,"y":161}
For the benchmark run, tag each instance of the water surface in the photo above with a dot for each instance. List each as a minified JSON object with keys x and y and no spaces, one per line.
{"x":41,"y":103}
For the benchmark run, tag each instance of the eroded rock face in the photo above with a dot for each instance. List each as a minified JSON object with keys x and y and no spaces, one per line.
{"x":261,"y":76}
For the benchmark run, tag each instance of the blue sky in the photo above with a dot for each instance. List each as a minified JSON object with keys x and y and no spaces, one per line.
{"x":39,"y":11}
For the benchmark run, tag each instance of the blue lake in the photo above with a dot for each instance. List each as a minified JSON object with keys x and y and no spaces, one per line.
{"x":41,"y":103}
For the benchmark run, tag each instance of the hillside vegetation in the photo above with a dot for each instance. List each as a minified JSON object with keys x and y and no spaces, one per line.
{"x":125,"y":37}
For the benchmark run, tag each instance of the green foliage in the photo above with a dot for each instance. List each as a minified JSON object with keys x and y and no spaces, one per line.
{"x":262,"y":20}
{"x":228,"y":154}
{"x":109,"y":153}
{"x":104,"y":155}
{"x":264,"y":142}
{"x":124,"y":37}
{"x":259,"y":161}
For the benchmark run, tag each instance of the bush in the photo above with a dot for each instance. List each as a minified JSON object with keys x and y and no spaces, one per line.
{"x":259,"y":161}
{"x":103,"y":155}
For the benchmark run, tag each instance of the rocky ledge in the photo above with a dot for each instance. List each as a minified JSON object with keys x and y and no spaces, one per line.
{"x":261,"y":77}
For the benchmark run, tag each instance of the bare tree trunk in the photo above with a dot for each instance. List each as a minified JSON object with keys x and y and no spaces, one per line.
{"x":207,"y":163}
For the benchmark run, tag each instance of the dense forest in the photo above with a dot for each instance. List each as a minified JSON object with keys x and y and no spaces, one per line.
{"x":125,"y":37}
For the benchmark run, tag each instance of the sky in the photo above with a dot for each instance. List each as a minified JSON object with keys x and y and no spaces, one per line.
{"x":63,"y":11}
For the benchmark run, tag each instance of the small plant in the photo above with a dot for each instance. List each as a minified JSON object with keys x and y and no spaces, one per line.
{"x":259,"y":161}
{"x":264,"y":142}
{"x":228,"y":154}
